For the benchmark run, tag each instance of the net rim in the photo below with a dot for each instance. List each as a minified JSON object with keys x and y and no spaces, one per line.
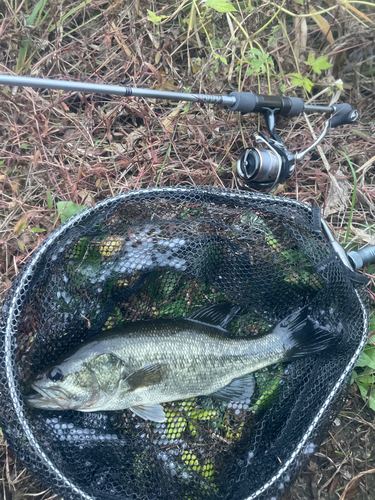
{"x":28,"y":270}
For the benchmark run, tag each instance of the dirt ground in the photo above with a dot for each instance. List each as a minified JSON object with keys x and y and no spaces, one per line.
{"x":346,"y":453}
{"x":72,"y":147}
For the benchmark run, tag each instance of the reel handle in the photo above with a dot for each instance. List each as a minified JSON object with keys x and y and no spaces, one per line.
{"x":344,"y":114}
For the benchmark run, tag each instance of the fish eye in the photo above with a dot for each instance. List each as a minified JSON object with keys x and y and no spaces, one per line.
{"x":55,"y":375}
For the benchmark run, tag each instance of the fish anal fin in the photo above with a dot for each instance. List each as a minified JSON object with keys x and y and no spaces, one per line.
{"x":150,"y":374}
{"x":238,"y":390}
{"x":217,"y":315}
{"x":153,"y":412}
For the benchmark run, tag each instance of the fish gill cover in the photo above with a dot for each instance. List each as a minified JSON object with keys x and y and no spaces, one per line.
{"x":163,"y":254}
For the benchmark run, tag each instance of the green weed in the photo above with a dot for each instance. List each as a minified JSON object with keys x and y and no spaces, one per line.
{"x":67,"y":208}
{"x":364,"y":375}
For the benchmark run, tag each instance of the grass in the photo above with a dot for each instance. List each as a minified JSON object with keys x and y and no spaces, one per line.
{"x":353,"y":197}
{"x":59,"y":148}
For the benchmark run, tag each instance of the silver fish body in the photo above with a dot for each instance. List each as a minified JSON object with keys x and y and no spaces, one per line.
{"x":142,"y":364}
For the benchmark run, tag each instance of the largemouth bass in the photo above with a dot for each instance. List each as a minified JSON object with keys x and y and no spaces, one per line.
{"x":142,"y":364}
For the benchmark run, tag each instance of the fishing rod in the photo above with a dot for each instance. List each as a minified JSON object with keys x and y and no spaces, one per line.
{"x":259,"y":168}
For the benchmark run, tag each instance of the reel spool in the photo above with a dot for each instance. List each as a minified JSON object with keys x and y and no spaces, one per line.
{"x":262,"y":168}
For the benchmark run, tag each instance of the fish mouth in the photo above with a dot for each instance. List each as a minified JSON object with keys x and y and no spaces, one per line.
{"x":53,"y":399}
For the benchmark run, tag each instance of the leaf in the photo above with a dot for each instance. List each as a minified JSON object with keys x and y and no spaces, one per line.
{"x":372,"y":323}
{"x":25,"y":39}
{"x":366,"y":381}
{"x":353,"y":377}
{"x":21,"y":224}
{"x":258,"y":61}
{"x":37,"y":229}
{"x":170,"y":120}
{"x":49,"y":199}
{"x":221,"y":5}
{"x":67,"y":208}
{"x":323,"y":24}
{"x":31,"y":19}
{"x":353,"y":9}
{"x":21,"y":246}
{"x":298,"y":79}
{"x":367,"y":359}
{"x":154,"y":18}
{"x":319,"y":64}
{"x":364,"y":387}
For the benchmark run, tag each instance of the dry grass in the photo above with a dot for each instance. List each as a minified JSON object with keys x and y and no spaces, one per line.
{"x":16,"y":483}
{"x":83,"y":148}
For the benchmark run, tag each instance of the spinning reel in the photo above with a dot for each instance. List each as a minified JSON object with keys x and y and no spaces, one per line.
{"x":261,"y":168}
{"x":258,"y":168}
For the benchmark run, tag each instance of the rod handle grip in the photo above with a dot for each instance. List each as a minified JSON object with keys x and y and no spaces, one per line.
{"x":247,"y":102}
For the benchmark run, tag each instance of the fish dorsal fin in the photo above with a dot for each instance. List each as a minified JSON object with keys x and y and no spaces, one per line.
{"x":150,"y":374}
{"x":238,"y":390}
{"x":153,"y":412}
{"x":217,"y":315}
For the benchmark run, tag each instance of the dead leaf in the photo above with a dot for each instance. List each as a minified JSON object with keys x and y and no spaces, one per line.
{"x":353,"y":9}
{"x":339,"y":195}
{"x":133,"y":137}
{"x":36,"y":158}
{"x":168,"y":122}
{"x":87,"y":198}
{"x":121,"y":43}
{"x":167,"y":83}
{"x":301,"y":35}
{"x":353,"y":481}
{"x":352,"y":491}
{"x":21,"y":224}
{"x":45,"y":131}
{"x":108,"y":38}
{"x":323,"y":24}
{"x":156,"y":72}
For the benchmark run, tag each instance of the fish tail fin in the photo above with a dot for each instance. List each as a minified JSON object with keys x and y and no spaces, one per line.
{"x":304,"y":336}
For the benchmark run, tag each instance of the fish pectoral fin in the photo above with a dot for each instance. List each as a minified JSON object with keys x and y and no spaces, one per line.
{"x":238,"y":390}
{"x":150,"y":374}
{"x":153,"y":412}
{"x":218,"y":315}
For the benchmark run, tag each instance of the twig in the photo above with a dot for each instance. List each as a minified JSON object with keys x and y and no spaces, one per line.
{"x":353,"y":480}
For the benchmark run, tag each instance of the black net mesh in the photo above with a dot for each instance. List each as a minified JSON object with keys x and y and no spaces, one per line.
{"x":161,"y":254}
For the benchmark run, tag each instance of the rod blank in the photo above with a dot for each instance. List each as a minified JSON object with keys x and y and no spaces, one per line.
{"x":244,"y":102}
{"x":93,"y":88}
